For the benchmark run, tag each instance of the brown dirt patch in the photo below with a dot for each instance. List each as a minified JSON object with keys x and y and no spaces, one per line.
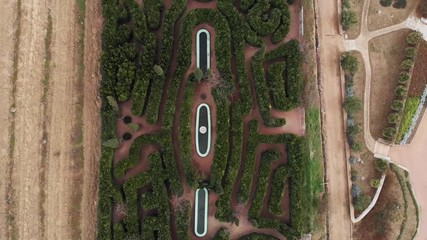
{"x":386,"y":54}
{"x":419,"y":74}
{"x":387,"y":213}
{"x":381,"y":17}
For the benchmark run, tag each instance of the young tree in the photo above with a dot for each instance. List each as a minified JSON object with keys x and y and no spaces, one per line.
{"x":113,"y":103}
{"x":400,"y":91}
{"x":400,"y":4}
{"x":349,"y":63}
{"x":393,"y":118}
{"x":410,"y":53}
{"x":352,"y":105}
{"x":381,"y":165}
{"x":389,"y":132}
{"x":403,"y":77}
{"x":362,"y":202}
{"x":198,"y":74}
{"x":111,"y":143}
{"x":348,"y":19}
{"x":159,"y":70}
{"x":375,"y":183}
{"x":397,"y":105}
{"x":413,"y":37}
{"x":407,"y":64}
{"x":385,"y":3}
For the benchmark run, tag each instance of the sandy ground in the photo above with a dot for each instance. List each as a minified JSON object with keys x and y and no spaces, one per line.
{"x":413,"y":158}
{"x":8,"y":14}
{"x":43,"y":177}
{"x":331,"y":44}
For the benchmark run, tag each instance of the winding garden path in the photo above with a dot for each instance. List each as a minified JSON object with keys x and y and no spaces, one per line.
{"x":410,"y":157}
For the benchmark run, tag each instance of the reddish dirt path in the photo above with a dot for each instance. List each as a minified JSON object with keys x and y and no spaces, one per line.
{"x":193,"y":4}
{"x":122,"y":152}
{"x":204,"y":164}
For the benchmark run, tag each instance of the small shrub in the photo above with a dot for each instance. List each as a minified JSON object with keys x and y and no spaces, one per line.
{"x":397,"y":105}
{"x":410,"y":53}
{"x":393,"y":118}
{"x":389,"y":132}
{"x":400,"y":91}
{"x":356,"y":146}
{"x":349,"y":63}
{"x":353,"y":130}
{"x":381,"y":165}
{"x":362,"y":202}
{"x":352,"y":105}
{"x":385,"y":3}
{"x":413,"y":38}
{"x":133,"y":127}
{"x":407,"y":64}
{"x":127,"y":136}
{"x":375,"y":183}
{"x":403,"y":77}
{"x":348,"y":19}
{"x":353,"y":160}
{"x":113,"y":103}
{"x":355,"y":190}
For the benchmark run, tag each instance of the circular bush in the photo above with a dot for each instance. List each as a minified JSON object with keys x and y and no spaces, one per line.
{"x":354,"y":175}
{"x":355,"y":190}
{"x":400,"y":91}
{"x":127,"y":136}
{"x":410,"y":53}
{"x":385,"y":3}
{"x":407,"y":64}
{"x":127,"y":119}
{"x":393,"y":118}
{"x":381,"y":165}
{"x":403,"y":77}
{"x":375,"y":183}
{"x":352,"y":105}
{"x":413,"y":37}
{"x":389,"y":132}
{"x":397,"y":105}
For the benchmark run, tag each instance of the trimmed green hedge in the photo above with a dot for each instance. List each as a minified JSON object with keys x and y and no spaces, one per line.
{"x":183,"y":216}
{"x":267,"y":158}
{"x":279,"y":180}
{"x":153,"y":9}
{"x":277,"y":85}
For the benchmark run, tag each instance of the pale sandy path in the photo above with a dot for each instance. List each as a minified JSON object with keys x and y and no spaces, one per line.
{"x":91,"y":142}
{"x":29,"y":119}
{"x":413,"y":157}
{"x":331,"y":45}
{"x":62,"y":99}
{"x":7,"y":15}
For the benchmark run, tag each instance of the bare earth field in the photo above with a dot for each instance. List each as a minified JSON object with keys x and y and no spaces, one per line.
{"x":386,"y":53}
{"x":381,"y":17}
{"x":41,"y":157}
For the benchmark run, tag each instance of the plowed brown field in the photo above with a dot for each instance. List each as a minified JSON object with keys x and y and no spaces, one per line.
{"x":49,"y":119}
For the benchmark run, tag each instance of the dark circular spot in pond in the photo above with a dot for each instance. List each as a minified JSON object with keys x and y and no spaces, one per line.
{"x":203,"y":96}
{"x":127,"y":136}
{"x":127,"y":119}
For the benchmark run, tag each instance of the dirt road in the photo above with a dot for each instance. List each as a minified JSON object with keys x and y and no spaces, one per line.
{"x":41,"y":155}
{"x":331,"y":44}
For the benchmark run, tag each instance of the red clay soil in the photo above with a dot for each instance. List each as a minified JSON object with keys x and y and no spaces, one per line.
{"x":294,"y":10}
{"x":419,"y":74}
{"x":122,"y":152}
{"x":295,"y":122}
{"x":203,"y":165}
{"x":193,"y":4}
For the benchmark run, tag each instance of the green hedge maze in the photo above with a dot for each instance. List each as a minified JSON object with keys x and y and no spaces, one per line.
{"x":150,"y":86}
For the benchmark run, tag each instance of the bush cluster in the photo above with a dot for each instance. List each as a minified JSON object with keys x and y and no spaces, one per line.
{"x":348,"y":17}
{"x":278,"y":183}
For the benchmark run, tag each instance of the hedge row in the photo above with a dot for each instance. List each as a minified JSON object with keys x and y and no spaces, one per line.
{"x":223,"y":212}
{"x":185,"y":134}
{"x":249,"y":163}
{"x":267,"y":158}
{"x":240,"y":32}
{"x":261,"y":88}
{"x":222,"y":234}
{"x":260,"y":21}
{"x":284,"y":26}
{"x":257,"y":236}
{"x":292,"y":55}
{"x":182,"y":215}
{"x":153,"y":10}
{"x":278,"y":183}
{"x":276,"y":84}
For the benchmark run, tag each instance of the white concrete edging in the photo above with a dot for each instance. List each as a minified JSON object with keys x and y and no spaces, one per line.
{"x":208,"y":128}
{"x":208,"y":43}
{"x":196,"y":217}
